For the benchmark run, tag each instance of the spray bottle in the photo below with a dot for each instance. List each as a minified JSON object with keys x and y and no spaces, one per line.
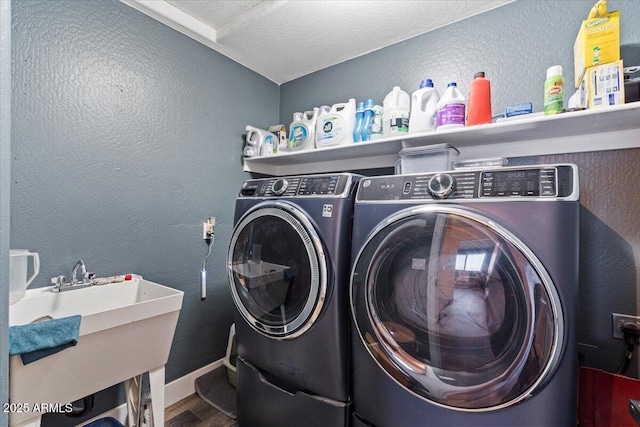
{"x":554,"y":91}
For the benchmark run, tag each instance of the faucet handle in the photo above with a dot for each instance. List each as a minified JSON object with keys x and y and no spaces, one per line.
{"x":89,"y":277}
{"x":58,"y":281}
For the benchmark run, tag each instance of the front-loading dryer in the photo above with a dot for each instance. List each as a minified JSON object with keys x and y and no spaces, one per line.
{"x":288,"y":266}
{"x":464,"y":298}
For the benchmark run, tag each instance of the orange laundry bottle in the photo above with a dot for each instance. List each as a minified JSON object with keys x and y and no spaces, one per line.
{"x":479,"y":108}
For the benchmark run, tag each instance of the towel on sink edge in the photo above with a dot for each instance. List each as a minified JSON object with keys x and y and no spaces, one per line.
{"x":37,"y":340}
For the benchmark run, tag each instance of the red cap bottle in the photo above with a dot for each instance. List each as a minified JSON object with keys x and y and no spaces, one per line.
{"x":479,"y":107}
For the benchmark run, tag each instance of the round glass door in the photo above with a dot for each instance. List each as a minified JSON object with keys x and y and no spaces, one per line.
{"x":277,"y":270}
{"x":456,"y":308}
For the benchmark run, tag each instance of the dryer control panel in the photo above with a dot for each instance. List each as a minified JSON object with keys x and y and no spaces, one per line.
{"x":539,"y":182}
{"x":336,"y":185}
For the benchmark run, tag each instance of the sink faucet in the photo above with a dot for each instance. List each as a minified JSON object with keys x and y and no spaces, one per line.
{"x":74,"y":271}
{"x":61,"y":285}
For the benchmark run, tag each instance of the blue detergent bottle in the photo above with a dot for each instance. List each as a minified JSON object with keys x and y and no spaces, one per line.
{"x":365,"y":128}
{"x":357,"y":127}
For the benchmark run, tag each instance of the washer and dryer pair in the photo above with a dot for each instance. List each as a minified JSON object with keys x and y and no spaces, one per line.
{"x":461,"y":293}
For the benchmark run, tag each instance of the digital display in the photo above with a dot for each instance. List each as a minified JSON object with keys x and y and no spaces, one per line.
{"x":526,"y":182}
{"x":319,"y":185}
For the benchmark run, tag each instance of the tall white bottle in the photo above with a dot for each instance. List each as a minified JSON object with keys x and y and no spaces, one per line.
{"x":451,"y":108}
{"x":397,"y":105}
{"x":335,"y":127}
{"x":424,"y":108}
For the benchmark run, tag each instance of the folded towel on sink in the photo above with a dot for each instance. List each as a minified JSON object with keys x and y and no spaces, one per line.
{"x":37,"y":340}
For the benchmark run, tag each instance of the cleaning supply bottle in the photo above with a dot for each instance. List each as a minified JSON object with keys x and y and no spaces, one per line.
{"x":479,"y":107}
{"x":424,"y":107}
{"x":375,"y":130}
{"x":365,"y":129}
{"x":260,"y":142}
{"x":451,"y":108}
{"x":357,"y":127}
{"x":302,"y":130}
{"x":336,"y":126}
{"x":396,"y":113}
{"x":269,"y":145}
{"x":554,"y":90}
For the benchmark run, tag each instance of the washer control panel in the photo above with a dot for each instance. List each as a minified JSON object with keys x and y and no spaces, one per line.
{"x":552,"y":181}
{"x":297,"y":186}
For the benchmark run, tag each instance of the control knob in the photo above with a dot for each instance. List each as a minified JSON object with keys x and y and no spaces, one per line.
{"x":441,"y":186}
{"x":280,"y":185}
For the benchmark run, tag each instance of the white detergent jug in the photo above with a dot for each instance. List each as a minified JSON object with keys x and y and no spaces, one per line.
{"x":302,"y":132}
{"x":451,"y":108}
{"x":424,"y":108}
{"x":336,"y":126}
{"x":18,"y":279}
{"x":260,"y":142}
{"x":396,"y":113}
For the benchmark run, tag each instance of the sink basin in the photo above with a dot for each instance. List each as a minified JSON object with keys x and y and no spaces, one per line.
{"x":126,"y":330}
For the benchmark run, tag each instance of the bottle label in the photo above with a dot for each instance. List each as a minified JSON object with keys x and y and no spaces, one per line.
{"x":330,"y":130}
{"x":375,"y":129}
{"x":298,"y":135}
{"x":451,"y":114}
{"x":554,"y":96}
{"x":398,"y":122}
{"x":269,"y":146}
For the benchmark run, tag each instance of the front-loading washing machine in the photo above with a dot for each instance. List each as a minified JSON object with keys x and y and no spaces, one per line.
{"x":464,"y":298}
{"x":288,"y":266}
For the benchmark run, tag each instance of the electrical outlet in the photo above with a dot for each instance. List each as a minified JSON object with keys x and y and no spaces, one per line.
{"x":208,"y":228}
{"x":620,"y":319}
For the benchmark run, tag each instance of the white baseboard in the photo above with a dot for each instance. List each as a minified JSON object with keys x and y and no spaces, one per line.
{"x":184,"y":386}
{"x":174,"y":392}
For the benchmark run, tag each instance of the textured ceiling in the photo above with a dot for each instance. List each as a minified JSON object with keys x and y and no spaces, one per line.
{"x":284,"y":40}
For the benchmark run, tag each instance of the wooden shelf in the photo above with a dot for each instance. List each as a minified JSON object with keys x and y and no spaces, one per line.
{"x":578,"y":131}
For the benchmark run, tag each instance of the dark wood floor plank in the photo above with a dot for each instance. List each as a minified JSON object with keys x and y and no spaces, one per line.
{"x":195,"y":412}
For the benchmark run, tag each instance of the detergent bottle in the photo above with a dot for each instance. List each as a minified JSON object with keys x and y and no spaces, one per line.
{"x":357,"y":127}
{"x":336,"y":126}
{"x":451,"y":108}
{"x":302,"y":130}
{"x":396,"y":113}
{"x":424,"y":108}
{"x":367,"y":119}
{"x":479,"y":108}
{"x":375,"y":129}
{"x":260,"y":142}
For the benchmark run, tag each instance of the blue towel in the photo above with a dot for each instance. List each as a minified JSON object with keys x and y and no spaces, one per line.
{"x":37,"y":340}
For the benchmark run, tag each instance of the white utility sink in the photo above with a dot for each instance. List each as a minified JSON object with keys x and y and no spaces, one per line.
{"x":126,"y":330}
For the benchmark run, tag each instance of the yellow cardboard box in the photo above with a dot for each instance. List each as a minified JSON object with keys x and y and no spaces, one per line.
{"x":598,"y":42}
{"x":603,"y":86}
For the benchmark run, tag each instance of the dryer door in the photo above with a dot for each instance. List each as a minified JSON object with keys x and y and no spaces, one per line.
{"x":456,"y":308}
{"x":277,"y":270}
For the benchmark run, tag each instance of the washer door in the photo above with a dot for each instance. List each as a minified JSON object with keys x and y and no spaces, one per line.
{"x":277,"y":270}
{"x":456,"y":308}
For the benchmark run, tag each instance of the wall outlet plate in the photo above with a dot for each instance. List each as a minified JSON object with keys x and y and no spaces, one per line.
{"x":620,"y":319}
